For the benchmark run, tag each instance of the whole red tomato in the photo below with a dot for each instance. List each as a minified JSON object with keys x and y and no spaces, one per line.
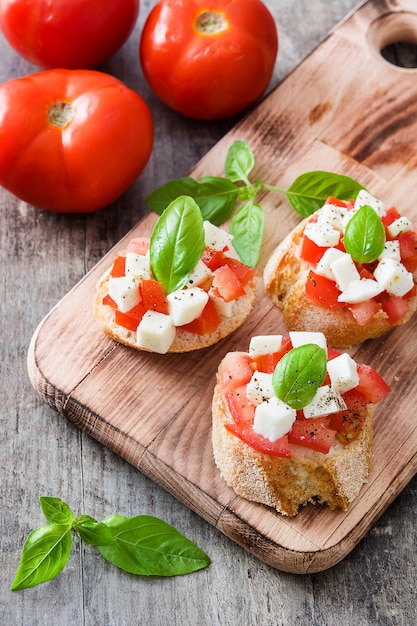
{"x":71,"y":141}
{"x":73,"y":34}
{"x":209,"y":59}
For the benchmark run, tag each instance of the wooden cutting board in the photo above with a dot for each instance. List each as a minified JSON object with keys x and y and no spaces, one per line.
{"x":344,"y":109}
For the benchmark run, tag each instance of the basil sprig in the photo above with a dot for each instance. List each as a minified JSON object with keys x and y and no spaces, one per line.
{"x":299,"y":374}
{"x":141,"y":545}
{"x":177,"y":243}
{"x":217,"y":197}
{"x":364,"y":237}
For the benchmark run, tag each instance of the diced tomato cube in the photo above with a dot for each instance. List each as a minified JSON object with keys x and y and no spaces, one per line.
{"x":312,"y":433}
{"x":138,"y":245}
{"x":323,"y":290}
{"x":206,"y":323}
{"x":280,"y":447}
{"x":130,"y":319}
{"x":371,"y":384}
{"x":411,"y":293}
{"x":118,"y":268}
{"x":363,"y":312}
{"x":395,"y":308}
{"x":213,"y":258}
{"x":349,"y":422}
{"x":235,"y":370}
{"x":336,"y":201}
{"x":310,"y":251}
{"x":153,"y":296}
{"x":332,"y":353}
{"x":244,"y":273}
{"x":241,"y":409}
{"x":226,"y":284}
{"x":267,"y":362}
{"x":109,"y":301}
{"x":390,"y":216}
{"x":408,"y":244}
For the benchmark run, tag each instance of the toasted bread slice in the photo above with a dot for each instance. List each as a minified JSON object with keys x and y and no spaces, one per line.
{"x":184,"y":341}
{"x":308,"y":476}
{"x":285,"y":277}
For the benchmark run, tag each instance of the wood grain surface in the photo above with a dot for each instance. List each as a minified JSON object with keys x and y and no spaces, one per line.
{"x":155,"y":410}
{"x":43,"y":256}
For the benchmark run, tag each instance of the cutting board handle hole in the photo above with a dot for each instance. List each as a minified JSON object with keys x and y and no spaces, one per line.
{"x":394,"y":38}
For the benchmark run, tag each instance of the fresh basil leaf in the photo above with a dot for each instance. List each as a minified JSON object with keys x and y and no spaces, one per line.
{"x":215,"y":196}
{"x":150,"y":547}
{"x":177,"y":243}
{"x":159,"y":199}
{"x":247,"y":228}
{"x":93,"y":532}
{"x":56,"y":510}
{"x":299,"y":374}
{"x":364,"y":237}
{"x":310,"y":191}
{"x":239,"y":162}
{"x":45,"y":554}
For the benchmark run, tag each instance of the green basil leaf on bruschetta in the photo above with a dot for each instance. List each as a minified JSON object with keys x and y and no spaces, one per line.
{"x":177,"y":243}
{"x":310,"y":191}
{"x":364,"y":237}
{"x":299,"y":374}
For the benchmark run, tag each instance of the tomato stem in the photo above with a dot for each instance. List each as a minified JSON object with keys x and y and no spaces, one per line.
{"x":60,"y":114}
{"x":210,"y":22}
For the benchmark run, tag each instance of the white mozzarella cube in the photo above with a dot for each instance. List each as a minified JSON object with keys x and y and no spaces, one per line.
{"x":365,"y":198}
{"x":325,"y":402}
{"x":155,"y":332}
{"x":322,"y":235}
{"x":361,"y":290}
{"x":273,"y":419}
{"x":259,"y":388}
{"x":138,"y":265}
{"x":401,"y":225}
{"x":332,"y":215}
{"x":391,"y":251}
{"x":300,"y":338}
{"x":343,"y":373}
{"x":264,"y":344}
{"x":216,"y":238}
{"x":393,"y":277}
{"x":185,"y":305}
{"x":344,"y":271}
{"x":199,"y":275}
{"x":222,"y":307}
{"x":124,"y":290}
{"x":324,"y":265}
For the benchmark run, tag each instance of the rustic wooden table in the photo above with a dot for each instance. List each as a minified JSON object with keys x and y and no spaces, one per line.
{"x":43,"y":256}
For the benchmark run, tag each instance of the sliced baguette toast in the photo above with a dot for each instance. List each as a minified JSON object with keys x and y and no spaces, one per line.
{"x":285,"y":277}
{"x":308,"y":476}
{"x":184,"y":341}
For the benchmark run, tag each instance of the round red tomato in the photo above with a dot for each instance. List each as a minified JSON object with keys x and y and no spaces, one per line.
{"x":71,"y":140}
{"x":209,"y":59}
{"x":72,"y":34}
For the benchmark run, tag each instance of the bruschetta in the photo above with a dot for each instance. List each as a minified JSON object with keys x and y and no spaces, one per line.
{"x":292,"y":422}
{"x":315,"y":279}
{"x":134,"y":308}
